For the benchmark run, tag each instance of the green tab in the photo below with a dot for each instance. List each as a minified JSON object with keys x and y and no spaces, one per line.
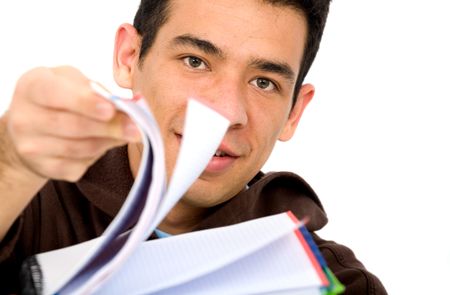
{"x":335,"y":286}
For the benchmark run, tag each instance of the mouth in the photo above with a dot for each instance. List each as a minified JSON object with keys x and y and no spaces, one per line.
{"x":222,"y":159}
{"x":221,"y":162}
{"x":221,"y":154}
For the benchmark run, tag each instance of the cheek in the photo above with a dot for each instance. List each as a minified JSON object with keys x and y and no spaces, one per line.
{"x":265,"y":139}
{"x":164,"y":96}
{"x":269,"y":123}
{"x":267,"y":129}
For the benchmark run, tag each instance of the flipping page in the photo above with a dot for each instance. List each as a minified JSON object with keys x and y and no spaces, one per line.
{"x":264,"y":256}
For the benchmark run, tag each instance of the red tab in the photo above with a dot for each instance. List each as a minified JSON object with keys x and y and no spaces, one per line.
{"x":308,"y":250}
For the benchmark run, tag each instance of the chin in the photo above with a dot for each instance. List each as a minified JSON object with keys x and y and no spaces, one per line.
{"x":201,"y":198}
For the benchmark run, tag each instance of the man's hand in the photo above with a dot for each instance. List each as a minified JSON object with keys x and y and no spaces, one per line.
{"x":56,"y":127}
{"x":59,"y":126}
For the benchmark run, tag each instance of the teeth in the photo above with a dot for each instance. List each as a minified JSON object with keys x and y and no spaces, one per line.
{"x":220,"y":154}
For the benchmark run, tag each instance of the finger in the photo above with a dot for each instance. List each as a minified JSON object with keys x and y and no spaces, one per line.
{"x":74,"y":126}
{"x":65,"y":88}
{"x":66,"y":169}
{"x":33,"y":150}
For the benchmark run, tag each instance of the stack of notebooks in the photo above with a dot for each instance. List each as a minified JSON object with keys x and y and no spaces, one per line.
{"x":270,"y":255}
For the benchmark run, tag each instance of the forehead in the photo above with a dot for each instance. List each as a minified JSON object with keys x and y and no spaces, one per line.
{"x":240,"y":28}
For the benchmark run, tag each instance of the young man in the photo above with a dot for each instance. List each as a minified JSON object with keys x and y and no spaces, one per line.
{"x":246,"y":59}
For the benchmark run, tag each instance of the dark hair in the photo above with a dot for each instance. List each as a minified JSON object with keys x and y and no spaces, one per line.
{"x":152,"y":14}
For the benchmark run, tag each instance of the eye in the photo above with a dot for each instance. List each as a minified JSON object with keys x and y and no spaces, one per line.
{"x":264,"y":84}
{"x":194,"y":62}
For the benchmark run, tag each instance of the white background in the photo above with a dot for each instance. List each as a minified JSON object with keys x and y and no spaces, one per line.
{"x":373,"y":143}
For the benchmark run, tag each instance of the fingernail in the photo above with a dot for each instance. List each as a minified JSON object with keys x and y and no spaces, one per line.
{"x":132,"y":132}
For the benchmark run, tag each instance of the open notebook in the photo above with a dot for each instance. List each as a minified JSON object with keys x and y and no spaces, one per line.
{"x":271,"y":255}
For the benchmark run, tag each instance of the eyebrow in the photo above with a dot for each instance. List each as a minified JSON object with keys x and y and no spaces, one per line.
{"x":274,"y":67}
{"x":203,"y":45}
{"x":208,"y":47}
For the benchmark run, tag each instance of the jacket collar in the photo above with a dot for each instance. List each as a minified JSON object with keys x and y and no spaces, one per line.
{"x":107,"y":183}
{"x":269,"y":194}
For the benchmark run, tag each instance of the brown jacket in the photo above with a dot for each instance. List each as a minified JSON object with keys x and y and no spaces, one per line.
{"x":64,"y":214}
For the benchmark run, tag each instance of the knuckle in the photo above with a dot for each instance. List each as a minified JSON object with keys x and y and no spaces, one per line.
{"x":68,"y":71}
{"x":76,"y":126}
{"x":17,"y":125}
{"x":35,"y":86}
{"x":29,"y":78}
{"x":27,"y":149}
{"x":18,"y":120}
{"x":66,"y":125}
{"x":69,"y":150}
{"x":93,"y":149}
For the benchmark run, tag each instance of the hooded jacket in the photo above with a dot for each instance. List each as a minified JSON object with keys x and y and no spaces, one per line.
{"x":63,"y":214}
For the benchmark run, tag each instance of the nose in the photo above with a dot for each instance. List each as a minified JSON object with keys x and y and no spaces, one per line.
{"x":228,"y":98}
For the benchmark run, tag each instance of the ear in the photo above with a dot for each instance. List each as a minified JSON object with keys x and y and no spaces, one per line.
{"x":304,"y":96}
{"x":126,"y":55}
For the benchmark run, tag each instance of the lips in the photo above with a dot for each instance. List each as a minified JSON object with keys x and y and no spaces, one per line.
{"x":222,"y":159}
{"x":222,"y":153}
{"x":219,"y":164}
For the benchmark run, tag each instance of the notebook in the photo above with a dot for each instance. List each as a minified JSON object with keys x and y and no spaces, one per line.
{"x":270,"y":255}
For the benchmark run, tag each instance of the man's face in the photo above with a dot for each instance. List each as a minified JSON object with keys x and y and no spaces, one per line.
{"x":241,"y":58}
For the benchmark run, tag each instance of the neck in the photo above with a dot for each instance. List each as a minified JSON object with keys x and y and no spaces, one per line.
{"x":134,"y":157}
{"x":183,"y":217}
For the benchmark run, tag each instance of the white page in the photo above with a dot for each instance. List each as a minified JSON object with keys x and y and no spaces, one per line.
{"x":202,"y":135}
{"x":140,"y":113}
{"x":55,"y":264}
{"x":149,"y":129}
{"x":172,"y":261}
{"x":212,"y":127}
{"x":150,"y":132}
{"x":281,"y":265}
